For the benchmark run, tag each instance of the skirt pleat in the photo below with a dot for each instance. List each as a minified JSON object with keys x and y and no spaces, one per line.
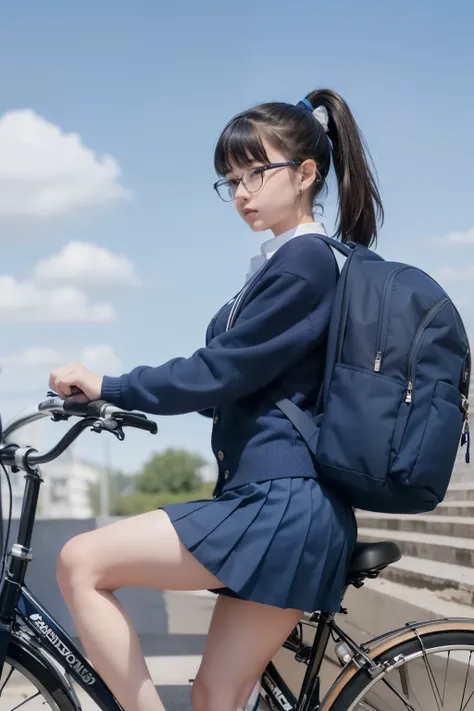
{"x":284,"y":542}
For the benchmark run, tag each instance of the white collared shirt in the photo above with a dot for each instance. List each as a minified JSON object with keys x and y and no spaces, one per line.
{"x":269,"y":247}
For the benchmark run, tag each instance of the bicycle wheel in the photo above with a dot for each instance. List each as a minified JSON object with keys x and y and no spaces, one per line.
{"x":429,"y":671}
{"x":26,"y":680}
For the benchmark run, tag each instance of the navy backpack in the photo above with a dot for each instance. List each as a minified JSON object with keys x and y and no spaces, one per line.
{"x":393,"y":406}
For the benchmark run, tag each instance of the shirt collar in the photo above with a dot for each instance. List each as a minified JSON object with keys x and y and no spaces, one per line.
{"x":269,"y":247}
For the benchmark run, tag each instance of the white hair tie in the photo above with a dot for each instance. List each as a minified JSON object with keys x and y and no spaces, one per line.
{"x":320,"y":114}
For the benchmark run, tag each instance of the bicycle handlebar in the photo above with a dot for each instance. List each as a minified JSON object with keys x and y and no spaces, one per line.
{"x":104,"y":410}
{"x":97,"y":414}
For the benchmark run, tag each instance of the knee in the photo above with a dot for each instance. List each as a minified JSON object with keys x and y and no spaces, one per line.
{"x":73,"y":566}
{"x":219,"y":695}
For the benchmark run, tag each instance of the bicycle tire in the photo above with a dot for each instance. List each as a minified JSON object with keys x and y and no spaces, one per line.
{"x":30,"y":662}
{"x":361,"y":682}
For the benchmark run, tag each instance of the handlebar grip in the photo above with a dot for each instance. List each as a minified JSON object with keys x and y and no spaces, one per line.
{"x":83,"y":409}
{"x":98,"y":408}
{"x":140,"y":422}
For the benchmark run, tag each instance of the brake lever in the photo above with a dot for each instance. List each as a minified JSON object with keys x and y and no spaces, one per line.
{"x":109,"y":425}
{"x":119,"y":433}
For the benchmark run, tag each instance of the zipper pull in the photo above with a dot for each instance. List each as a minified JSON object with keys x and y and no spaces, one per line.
{"x":466,"y":434}
{"x":466,"y":440}
{"x":378,"y":362}
{"x":408,"y":396}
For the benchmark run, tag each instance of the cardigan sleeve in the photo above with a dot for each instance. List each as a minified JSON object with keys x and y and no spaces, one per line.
{"x":283,"y":321}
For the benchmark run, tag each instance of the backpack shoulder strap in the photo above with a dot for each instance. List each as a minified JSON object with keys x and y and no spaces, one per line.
{"x":344,"y":249}
{"x":298,"y":418}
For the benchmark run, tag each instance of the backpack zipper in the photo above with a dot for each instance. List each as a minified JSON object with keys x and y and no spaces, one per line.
{"x":465,"y":434}
{"x":386,"y":298}
{"x":429,"y":316}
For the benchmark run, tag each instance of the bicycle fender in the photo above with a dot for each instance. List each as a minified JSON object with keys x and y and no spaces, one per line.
{"x":37,"y":660}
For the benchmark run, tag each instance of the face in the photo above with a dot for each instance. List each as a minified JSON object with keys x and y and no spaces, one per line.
{"x":281,"y":201}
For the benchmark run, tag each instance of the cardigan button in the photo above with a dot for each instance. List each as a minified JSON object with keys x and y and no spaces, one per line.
{"x":220,"y":455}
{"x":216,"y":419}
{"x":226,"y":474}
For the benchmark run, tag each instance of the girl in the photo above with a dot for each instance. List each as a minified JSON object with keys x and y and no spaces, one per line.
{"x":272,"y":542}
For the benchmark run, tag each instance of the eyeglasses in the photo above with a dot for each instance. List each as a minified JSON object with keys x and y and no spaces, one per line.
{"x":252,"y":180}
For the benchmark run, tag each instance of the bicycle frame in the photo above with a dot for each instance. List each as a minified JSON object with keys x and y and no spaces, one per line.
{"x":277,"y":693}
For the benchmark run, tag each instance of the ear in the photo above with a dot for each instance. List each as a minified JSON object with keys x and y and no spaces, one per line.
{"x":307,"y":173}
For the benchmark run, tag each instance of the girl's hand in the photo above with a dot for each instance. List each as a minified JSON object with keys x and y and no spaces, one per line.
{"x":76,"y":380}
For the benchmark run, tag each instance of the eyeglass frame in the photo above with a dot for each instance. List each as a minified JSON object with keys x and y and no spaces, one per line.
{"x":262,"y":169}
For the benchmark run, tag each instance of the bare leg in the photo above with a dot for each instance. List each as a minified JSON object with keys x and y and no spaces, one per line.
{"x":243,"y":637}
{"x":143,"y":551}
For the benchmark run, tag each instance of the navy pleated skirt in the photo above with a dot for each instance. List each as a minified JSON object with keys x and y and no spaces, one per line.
{"x":284,"y":542}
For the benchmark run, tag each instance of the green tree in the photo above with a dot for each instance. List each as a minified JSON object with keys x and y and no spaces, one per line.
{"x":172,"y":471}
{"x":140,"y":503}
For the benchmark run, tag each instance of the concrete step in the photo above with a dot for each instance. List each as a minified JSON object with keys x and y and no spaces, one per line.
{"x":451,"y":582}
{"x":389,"y":604}
{"x":458,"y":526}
{"x":460,"y":491}
{"x":454,"y":508}
{"x":445,"y":549}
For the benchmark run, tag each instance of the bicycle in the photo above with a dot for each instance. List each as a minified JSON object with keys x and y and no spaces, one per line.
{"x":374,"y":675}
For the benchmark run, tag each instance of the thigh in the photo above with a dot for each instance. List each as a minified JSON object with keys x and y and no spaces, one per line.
{"x":243,"y":637}
{"x":142,"y":551}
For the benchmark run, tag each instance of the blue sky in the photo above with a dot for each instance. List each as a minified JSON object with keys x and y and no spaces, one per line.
{"x":151,"y":85}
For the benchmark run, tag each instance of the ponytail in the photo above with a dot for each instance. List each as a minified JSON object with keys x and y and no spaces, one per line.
{"x":360,"y":206}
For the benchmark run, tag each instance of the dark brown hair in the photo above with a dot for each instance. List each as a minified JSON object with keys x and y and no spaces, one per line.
{"x":293,"y":130}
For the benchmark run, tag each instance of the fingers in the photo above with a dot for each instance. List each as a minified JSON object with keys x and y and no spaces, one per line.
{"x":75,"y":379}
{"x":66,"y":381}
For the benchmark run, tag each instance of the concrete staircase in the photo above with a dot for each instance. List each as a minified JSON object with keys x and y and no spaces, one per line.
{"x":438,"y":548}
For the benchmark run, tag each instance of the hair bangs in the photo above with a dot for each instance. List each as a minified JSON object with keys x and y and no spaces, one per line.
{"x":239,"y":145}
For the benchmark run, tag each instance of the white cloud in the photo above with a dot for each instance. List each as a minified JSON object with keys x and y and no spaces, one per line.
{"x":28,"y":369}
{"x":86,"y":264}
{"x":54,"y":293}
{"x":25,"y":302}
{"x":458,"y":237}
{"x":46,"y":172}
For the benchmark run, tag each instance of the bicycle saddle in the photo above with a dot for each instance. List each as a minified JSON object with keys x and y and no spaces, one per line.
{"x":368,"y":557}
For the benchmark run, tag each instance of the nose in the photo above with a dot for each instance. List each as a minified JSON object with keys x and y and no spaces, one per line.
{"x":241,"y":192}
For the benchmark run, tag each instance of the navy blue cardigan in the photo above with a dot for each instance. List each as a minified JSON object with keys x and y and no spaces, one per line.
{"x":279,"y":337}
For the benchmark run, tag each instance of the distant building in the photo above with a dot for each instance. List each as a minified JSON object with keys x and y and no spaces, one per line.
{"x":64,"y":492}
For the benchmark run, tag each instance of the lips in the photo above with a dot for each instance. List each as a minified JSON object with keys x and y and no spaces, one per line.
{"x":248,"y":212}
